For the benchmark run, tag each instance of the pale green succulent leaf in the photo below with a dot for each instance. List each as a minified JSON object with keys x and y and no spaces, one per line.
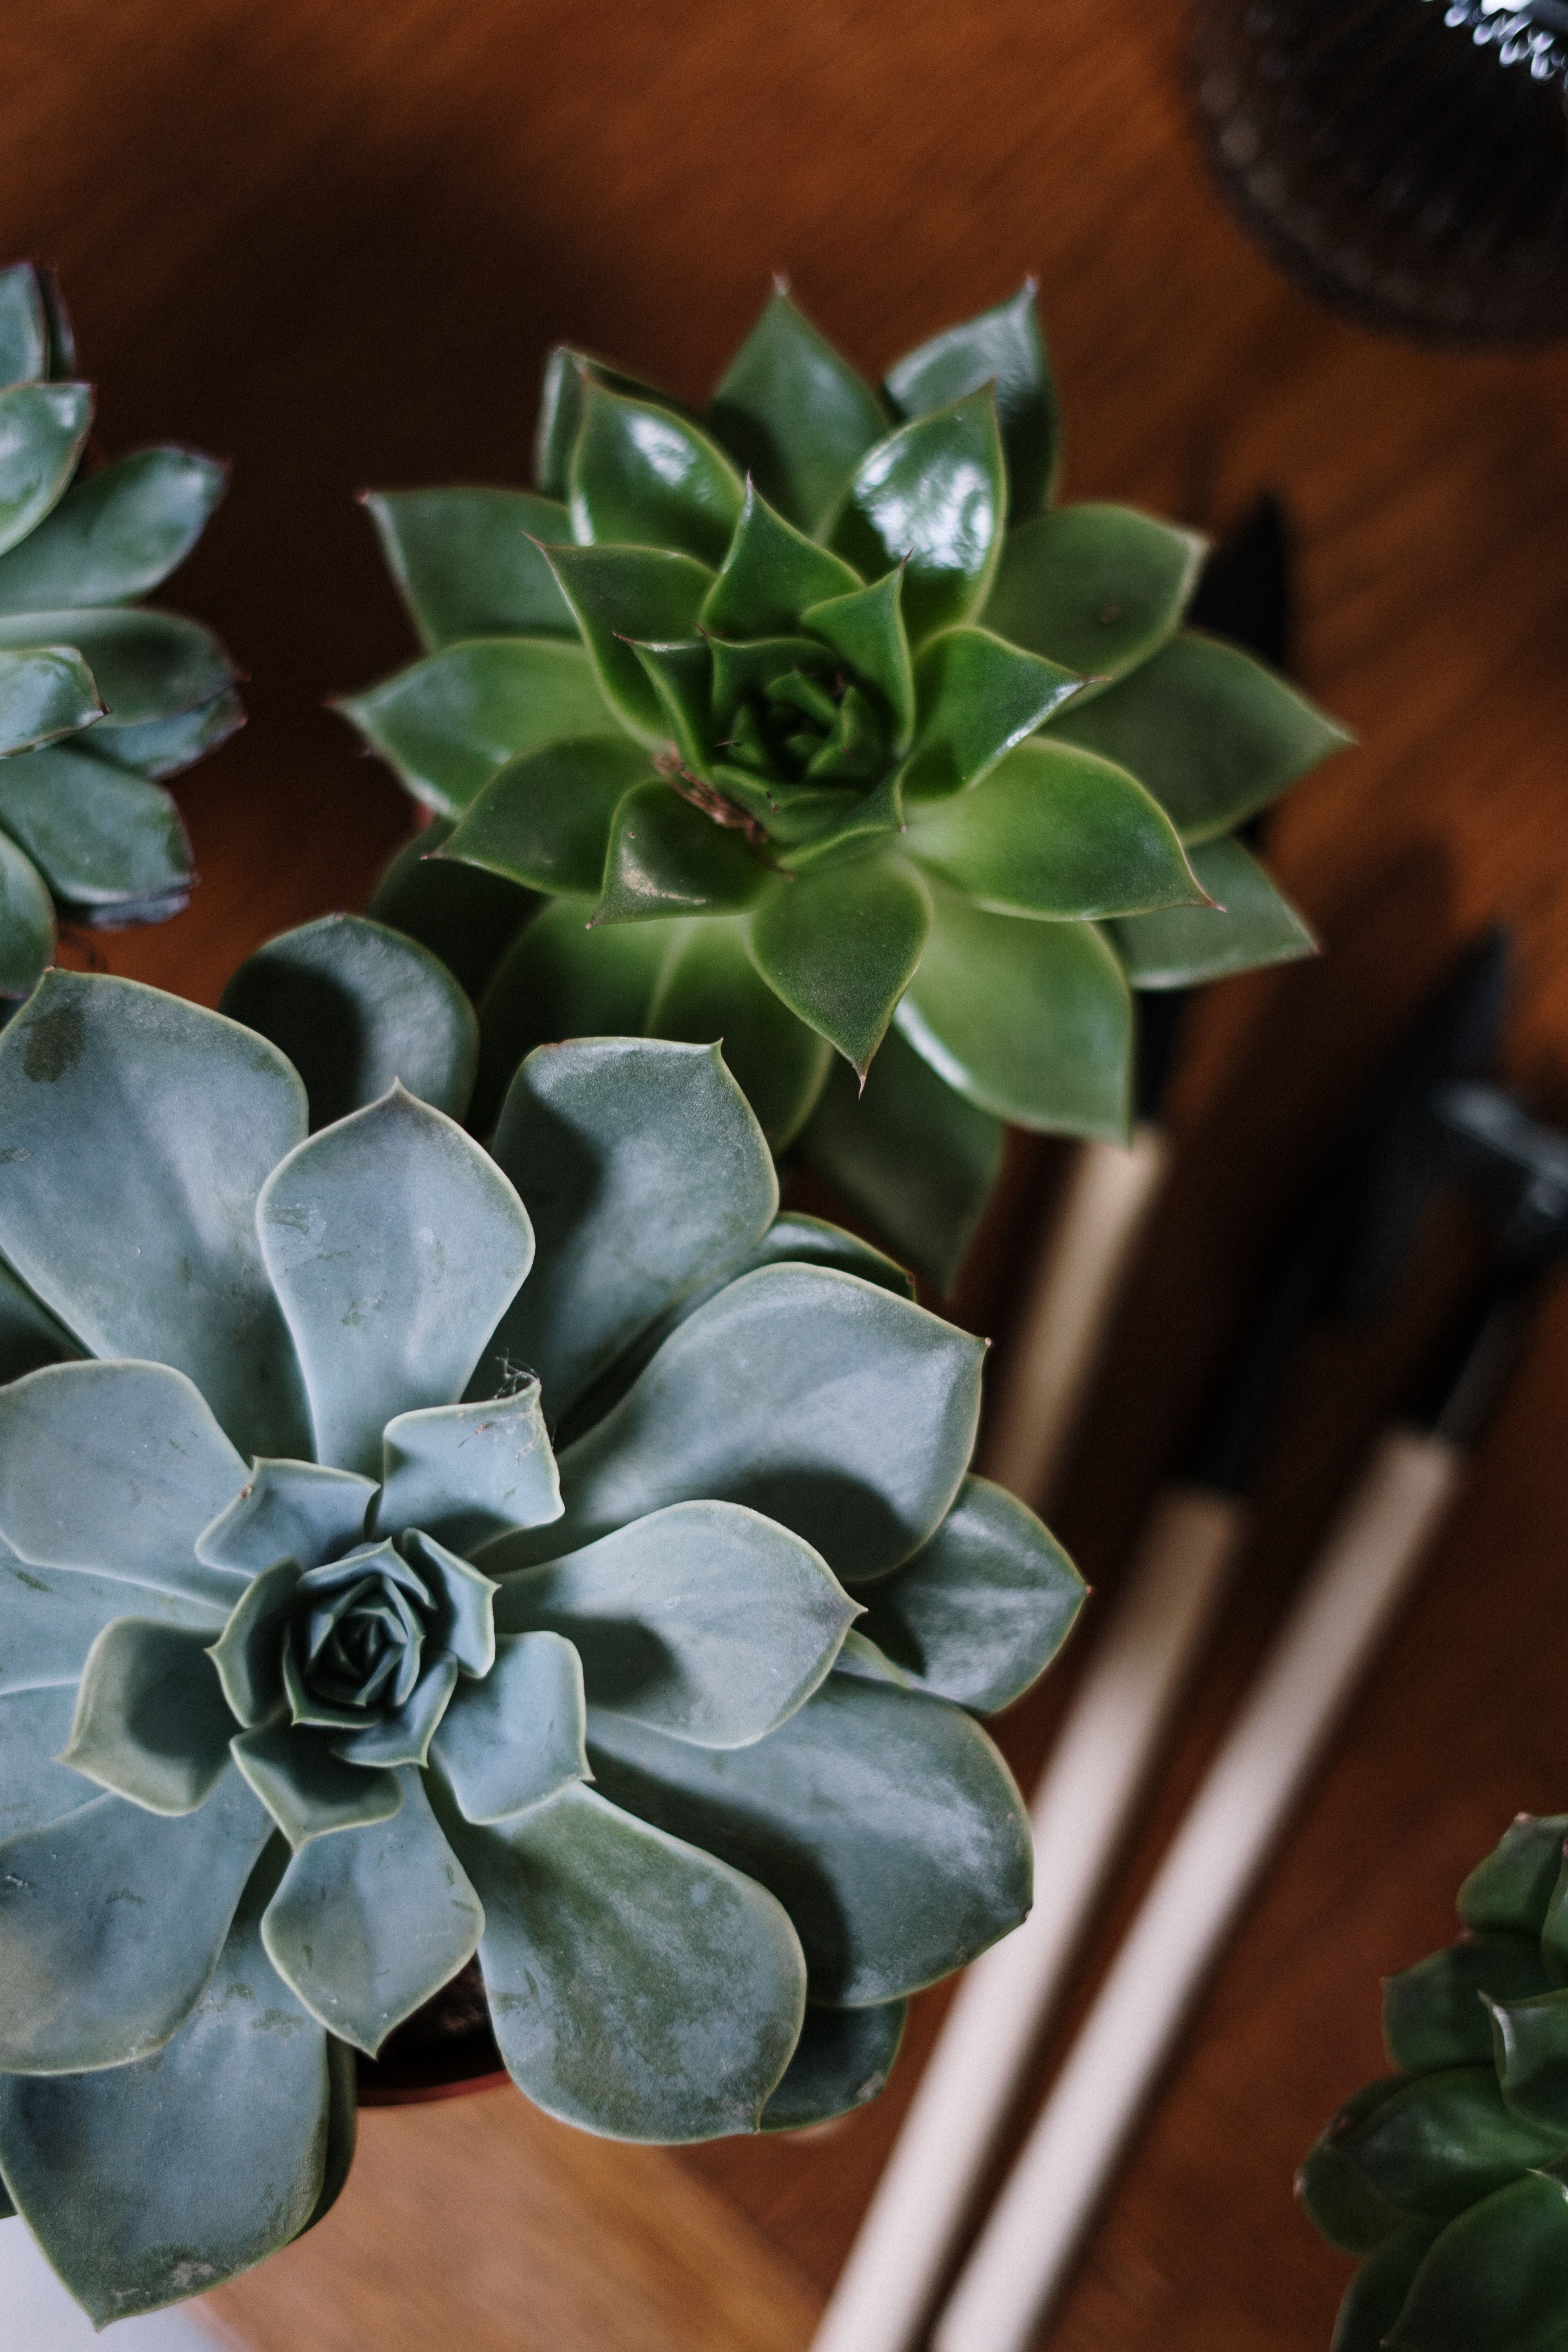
{"x":145,"y":664}
{"x":641,"y":475}
{"x":358,"y":1008}
{"x":36,"y":1788}
{"x":310,"y":1790}
{"x":841,"y":2062}
{"x":26,"y":924}
{"x":1512,"y":1890}
{"x":666,"y":858}
{"x":102,"y":837}
{"x":115,"y":534}
{"x":839,"y":945}
{"x":404,"y":1735}
{"x":705,"y":1620}
{"x":931,"y":497}
{"x":545,"y":820}
{"x":1433,"y":2014}
{"x":885,"y":1821}
{"x":394,"y":1245}
{"x":163,"y":747}
{"x":1376,"y":2295}
{"x":112,"y":1922}
{"x":138,"y":1132}
{"x":561,"y":980}
{"x":465,"y":1473}
{"x":151,"y":1723}
{"x":467,"y":917}
{"x":1251,"y":923}
{"x":794,"y":414}
{"x":116,"y":1467}
{"x":1443,"y":2140}
{"x":467,"y":564}
{"x":1002,"y":348}
{"x":865,"y":628}
{"x":1530,"y":2051}
{"x":1058,"y":832}
{"x":1099,"y":588}
{"x":49,"y":1619}
{"x":796,"y":1239}
{"x":24,"y":326}
{"x":771,"y":575}
{"x":247,"y":1654}
{"x":636,"y":1987}
{"x":516,"y":1738}
{"x":708,"y":990}
{"x":1494,"y":2281}
{"x":367,"y":1924}
{"x":645,"y":1170}
{"x":44,"y":691}
{"x":462,"y":1601}
{"x":649,"y":596}
{"x":241,"y":2092}
{"x":449,"y":722}
{"x":821,"y":1401}
{"x":295,"y":1510}
{"x":1212,"y":733}
{"x":561,"y":411}
{"x":1032,"y":1021}
{"x":43,"y":430}
{"x":975,"y":698}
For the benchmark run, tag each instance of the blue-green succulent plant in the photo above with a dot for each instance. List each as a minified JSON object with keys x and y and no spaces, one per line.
{"x":413,"y":1550}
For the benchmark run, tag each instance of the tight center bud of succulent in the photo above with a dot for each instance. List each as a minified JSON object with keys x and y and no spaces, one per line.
{"x":809,"y":727}
{"x":357,"y":1638}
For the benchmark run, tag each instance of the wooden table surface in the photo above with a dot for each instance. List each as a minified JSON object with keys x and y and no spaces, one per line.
{"x":334,"y":241}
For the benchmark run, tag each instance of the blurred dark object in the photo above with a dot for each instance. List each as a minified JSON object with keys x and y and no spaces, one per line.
{"x":1243,"y":590}
{"x":1405,"y":159}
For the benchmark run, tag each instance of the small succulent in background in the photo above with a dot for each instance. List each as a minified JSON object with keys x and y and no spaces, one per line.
{"x":412,"y":1550}
{"x":100,"y":698}
{"x":822,"y":730}
{"x":1451,"y":2176}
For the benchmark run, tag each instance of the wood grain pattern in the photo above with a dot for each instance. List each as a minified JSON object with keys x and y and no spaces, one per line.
{"x":334,"y":242}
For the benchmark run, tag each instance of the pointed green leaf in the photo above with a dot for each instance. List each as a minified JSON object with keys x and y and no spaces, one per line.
{"x":840,"y":946}
{"x":1444,"y":2139}
{"x":620,"y":593}
{"x":641,"y":476}
{"x":796,"y":1239}
{"x":288,"y":1509}
{"x":932,"y":497}
{"x":753,"y":666}
{"x":772,"y":573}
{"x":368,"y":1923}
{"x":1335,"y":2194}
{"x":1001,"y":348}
{"x":975,"y":698}
{"x":100,"y":836}
{"x":151,"y":1723}
{"x":865,"y":628}
{"x":1030,"y":1020}
{"x":681,"y":677}
{"x":116,"y":534}
{"x":49,"y":1619}
{"x":885,"y":1821}
{"x":794,"y":414}
{"x":43,"y":428}
{"x":515,"y":1739}
{"x":464,"y":1473}
{"x":1213,"y":734}
{"x":160,"y":748}
{"x":357,"y":1008}
{"x":841,"y":2062}
{"x":562,"y":980}
{"x":1375,"y":2297}
{"x":310,"y":1790}
{"x":146,"y":665}
{"x":466,"y":917}
{"x":27,"y":925}
{"x":467,"y":562}
{"x":394,"y":1245}
{"x":560,"y":410}
{"x":710,"y":991}
{"x":636,"y":1987}
{"x":1531,"y":2054}
{"x":1497,"y":2279}
{"x":666,"y":858}
{"x":137,"y":1227}
{"x":24,"y":326}
{"x":1434,"y":2015}
{"x":1251,"y":923}
{"x":450,"y":721}
{"x":1512,"y":1890}
{"x":44,"y":691}
{"x":1099,"y":588}
{"x":35,"y":1789}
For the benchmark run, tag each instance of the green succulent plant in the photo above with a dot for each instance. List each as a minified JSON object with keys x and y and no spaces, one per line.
{"x":100,"y":698}
{"x":412,"y":1550}
{"x":1451,"y":2176}
{"x":820,"y":729}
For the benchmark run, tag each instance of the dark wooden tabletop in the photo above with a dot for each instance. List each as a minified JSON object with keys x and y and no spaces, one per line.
{"x":332,"y":240}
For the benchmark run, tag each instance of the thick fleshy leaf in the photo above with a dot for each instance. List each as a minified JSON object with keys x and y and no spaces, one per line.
{"x":1434,"y":2015}
{"x":976,"y":698}
{"x":1332,"y":2191}
{"x":1375,"y":2297}
{"x":35,"y":1789}
{"x":1031,"y":1020}
{"x":561,"y":980}
{"x":110,"y":1924}
{"x":24,"y":326}
{"x":310,"y":1790}
{"x":464,"y":1473}
{"x":794,"y":414}
{"x":446,"y":724}
{"x":403,"y":1736}
{"x":932,"y":497}
{"x":842,"y":2060}
{"x":885,"y":1822}
{"x":1097,"y":587}
{"x":136,"y":1133}
{"x":49,"y":1619}
{"x":394,"y":1245}
{"x":771,"y":575}
{"x":620,"y":595}
{"x":146,"y":665}
{"x":162,"y":747}
{"x":1252,"y":923}
{"x":666,"y":858}
{"x":358,"y":1008}
{"x":466,"y":917}
{"x":867,"y":627}
{"x":467,"y":564}
{"x":1002,"y":348}
{"x":796,"y":1239}
{"x":462,"y":1601}
{"x":115,"y":534}
{"x":709,"y":1623}
{"x":241,"y":2091}
{"x":1497,"y":2279}
{"x":1532,"y":2055}
{"x":560,"y":410}
{"x":151,"y":1723}
{"x":840,"y":945}
{"x":641,"y":476}
{"x":100,"y":836}
{"x":516,"y":1738}
{"x":43,"y":428}
{"x":636,"y":1987}
{"x":45,"y":690}
{"x":116,"y":1467}
{"x":27,"y":925}
{"x":1444,"y":2139}
{"x":1512,"y":1890}
{"x":983,"y":1608}
{"x":545,"y":819}
{"x":293,"y":1510}
{"x":1213,"y":734}
{"x":822,"y":1401}
{"x":368,"y":1923}
{"x":710,"y":991}
{"x":645,"y":1172}
{"x":681,"y":675}
{"x":248,"y":1654}
{"x":1055,"y":832}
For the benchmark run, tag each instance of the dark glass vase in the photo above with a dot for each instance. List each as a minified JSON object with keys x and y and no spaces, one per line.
{"x":1405,"y":159}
